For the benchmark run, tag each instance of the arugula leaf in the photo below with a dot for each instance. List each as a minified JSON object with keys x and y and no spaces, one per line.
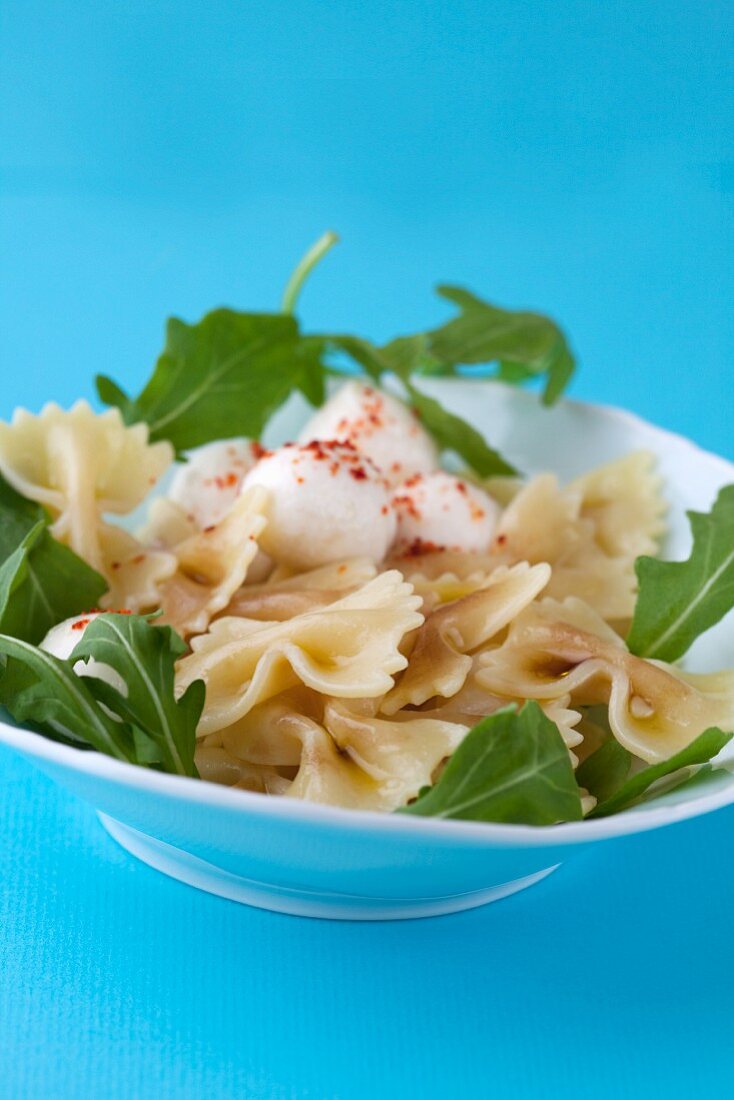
{"x":679,"y":600}
{"x":451,"y":432}
{"x":227,"y":375}
{"x":144,"y":656}
{"x":224,"y":376}
{"x":364,"y":353}
{"x":310,"y":353}
{"x":454,"y":434}
{"x":41,"y":581}
{"x":146,"y":725}
{"x":707,"y":745}
{"x":512,"y":767}
{"x":14,"y":569}
{"x":45,"y":693}
{"x":605,"y":770}
{"x":522,"y":343}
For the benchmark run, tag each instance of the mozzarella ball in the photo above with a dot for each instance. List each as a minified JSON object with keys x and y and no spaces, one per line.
{"x":441,"y":512}
{"x":327,"y":501}
{"x":63,"y":638}
{"x":379,"y":426}
{"x":208,"y":484}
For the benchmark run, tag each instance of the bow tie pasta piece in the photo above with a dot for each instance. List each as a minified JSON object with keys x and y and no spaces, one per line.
{"x":655,"y":710}
{"x":280,"y":600}
{"x":266,"y":734}
{"x":344,"y":757}
{"x":216,"y":765}
{"x":166,"y":525}
{"x":562,"y":714}
{"x":590,"y":532}
{"x":369,"y":763}
{"x":349,"y":650}
{"x":81,"y":465}
{"x":440,"y":658}
{"x":446,"y":586}
{"x":474,"y":702}
{"x":624,"y":502}
{"x":212,"y":565}
{"x":136,"y":572}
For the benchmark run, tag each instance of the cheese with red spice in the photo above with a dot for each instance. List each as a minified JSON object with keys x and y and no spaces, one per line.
{"x":328,"y":501}
{"x":441,"y":512}
{"x":62,"y":640}
{"x":379,"y":426}
{"x":208,"y":484}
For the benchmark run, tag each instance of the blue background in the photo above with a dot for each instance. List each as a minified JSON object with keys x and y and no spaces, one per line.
{"x":569,"y":156}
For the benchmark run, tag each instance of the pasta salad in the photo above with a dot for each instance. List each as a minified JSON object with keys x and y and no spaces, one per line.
{"x":382,"y":614}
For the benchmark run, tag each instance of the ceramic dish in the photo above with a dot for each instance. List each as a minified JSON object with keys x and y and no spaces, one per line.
{"x":312,"y":860}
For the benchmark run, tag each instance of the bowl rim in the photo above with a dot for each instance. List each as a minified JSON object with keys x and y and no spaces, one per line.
{"x":489,"y":834}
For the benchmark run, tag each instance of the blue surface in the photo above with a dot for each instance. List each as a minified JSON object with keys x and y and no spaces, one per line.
{"x":162,"y":157}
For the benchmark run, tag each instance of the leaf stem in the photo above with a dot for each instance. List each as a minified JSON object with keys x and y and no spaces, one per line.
{"x":304,"y":268}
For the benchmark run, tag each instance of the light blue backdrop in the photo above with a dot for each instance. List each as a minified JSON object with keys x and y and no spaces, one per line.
{"x":168,"y":157}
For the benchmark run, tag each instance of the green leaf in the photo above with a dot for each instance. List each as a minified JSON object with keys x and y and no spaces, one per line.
{"x":512,"y":767}
{"x":310,"y":354}
{"x":222,"y":377}
{"x":364,"y":353}
{"x":40,"y":690}
{"x":707,"y":745}
{"x":514,"y":373}
{"x":678,"y":601}
{"x":44,"y":582}
{"x":454,"y":434}
{"x":110,"y":394}
{"x":14,"y":570}
{"x":525,"y":343}
{"x":604,"y":771}
{"x":144,"y":656}
{"x":407,"y":355}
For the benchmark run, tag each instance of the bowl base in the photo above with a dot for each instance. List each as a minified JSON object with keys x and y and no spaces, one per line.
{"x":203,"y":875}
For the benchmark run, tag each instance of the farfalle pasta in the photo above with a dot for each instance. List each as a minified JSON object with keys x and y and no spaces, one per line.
{"x":440,"y":656}
{"x":563,"y":649}
{"x":346,"y":618}
{"x":212,"y":565}
{"x":81,"y":465}
{"x":348,"y":649}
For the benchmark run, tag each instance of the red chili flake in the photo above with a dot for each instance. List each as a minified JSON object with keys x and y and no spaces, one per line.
{"x":137,"y":559}
{"x":384,"y":509}
{"x":358,"y":473}
{"x":461,"y":486}
{"x":407,"y":504}
{"x":81,"y":623}
{"x":258,"y":451}
{"x":210,"y":528}
{"x":116,"y":564}
{"x":419,"y":547}
{"x":501,"y":540}
{"x":226,"y":481}
{"x":300,"y":480}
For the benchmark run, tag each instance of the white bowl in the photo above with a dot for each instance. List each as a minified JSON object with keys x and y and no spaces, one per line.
{"x":311,"y":860}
